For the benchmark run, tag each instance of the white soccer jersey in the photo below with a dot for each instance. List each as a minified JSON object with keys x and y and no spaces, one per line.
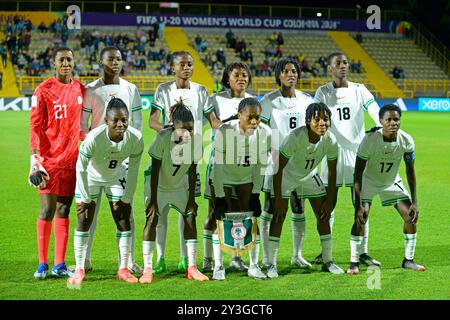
{"x":223,"y":104}
{"x":167,"y":94}
{"x":347,"y":107}
{"x":97,"y":96}
{"x":176,"y":159}
{"x":383,"y":158}
{"x":101,"y":160}
{"x":284,"y":114}
{"x":304,"y":156}
{"x":238,"y":158}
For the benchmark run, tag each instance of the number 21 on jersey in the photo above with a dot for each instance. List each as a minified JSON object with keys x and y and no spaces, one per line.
{"x":60,"y":111}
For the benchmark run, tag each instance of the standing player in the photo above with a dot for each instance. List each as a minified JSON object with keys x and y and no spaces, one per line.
{"x":174,"y":153}
{"x":220,"y":107}
{"x":54,"y":133}
{"x":284,"y":110}
{"x":98,"y":95}
{"x":241,"y":150}
{"x":376,"y":172}
{"x":194,"y":97}
{"x":300,"y":154}
{"x":101,"y":165}
{"x":347,"y":101}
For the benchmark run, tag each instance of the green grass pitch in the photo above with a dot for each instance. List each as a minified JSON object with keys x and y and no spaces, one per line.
{"x":19,"y":207}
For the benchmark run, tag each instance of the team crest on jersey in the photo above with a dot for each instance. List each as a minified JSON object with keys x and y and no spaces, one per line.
{"x":80,"y":100}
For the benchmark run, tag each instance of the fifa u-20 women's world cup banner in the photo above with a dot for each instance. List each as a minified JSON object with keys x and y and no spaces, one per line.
{"x":174,"y":20}
{"x":237,"y":232}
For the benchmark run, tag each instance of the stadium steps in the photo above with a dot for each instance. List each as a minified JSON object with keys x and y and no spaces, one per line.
{"x":177,"y":40}
{"x":382,"y":83}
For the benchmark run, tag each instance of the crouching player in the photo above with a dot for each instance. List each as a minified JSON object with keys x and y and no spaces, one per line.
{"x":100,"y":164}
{"x":376,"y":172}
{"x":174,"y":153}
{"x":241,"y":151}
{"x":300,"y":153}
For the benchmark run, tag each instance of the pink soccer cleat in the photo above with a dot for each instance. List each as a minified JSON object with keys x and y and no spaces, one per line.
{"x":193,"y":273}
{"x":125,"y":275}
{"x":147,"y":277}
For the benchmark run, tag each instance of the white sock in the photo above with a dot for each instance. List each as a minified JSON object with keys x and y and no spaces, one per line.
{"x":218,"y":255}
{"x":93,"y":227}
{"x":254,"y":253}
{"x":123,"y":240}
{"x":410,"y":245}
{"x":365,"y":241}
{"x":147,"y":250}
{"x":207,"y":243}
{"x":355,"y":247}
{"x":325,"y":241}
{"x":80,"y":243}
{"x":161,"y":234}
{"x":331,"y":220}
{"x":264,"y":227}
{"x":274,"y":243}
{"x":191,"y":246}
{"x":298,"y":233}
{"x":133,"y":239}
{"x":183,"y":249}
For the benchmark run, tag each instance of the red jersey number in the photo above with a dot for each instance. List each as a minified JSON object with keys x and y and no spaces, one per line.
{"x":60,"y":111}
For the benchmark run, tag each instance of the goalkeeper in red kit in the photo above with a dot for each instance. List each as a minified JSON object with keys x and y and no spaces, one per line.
{"x":56,"y":108}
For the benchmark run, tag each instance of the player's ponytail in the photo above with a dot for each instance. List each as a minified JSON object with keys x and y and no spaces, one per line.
{"x":116,"y":104}
{"x":180,"y":113}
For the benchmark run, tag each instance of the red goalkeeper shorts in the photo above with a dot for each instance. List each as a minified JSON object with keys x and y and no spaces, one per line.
{"x":61,"y":183}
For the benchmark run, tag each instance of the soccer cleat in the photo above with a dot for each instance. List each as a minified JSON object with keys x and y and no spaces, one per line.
{"x":207,"y":265}
{"x":61,"y":271}
{"x":410,"y":264}
{"x":333,"y":268}
{"x":317,"y":260}
{"x":160,"y":266}
{"x":255,"y":272}
{"x":272,"y":271}
{"x":182,"y":265}
{"x":147,"y":277}
{"x":368,"y":260}
{"x":193,"y":273}
{"x":300,"y":262}
{"x":77,"y":277}
{"x":42,"y":271}
{"x":125,"y":275}
{"x":219,"y":273}
{"x":238,"y":264}
{"x":353,"y":268}
{"x":135,"y":268}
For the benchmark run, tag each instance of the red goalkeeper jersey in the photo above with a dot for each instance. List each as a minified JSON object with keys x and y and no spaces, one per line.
{"x":55,"y":122}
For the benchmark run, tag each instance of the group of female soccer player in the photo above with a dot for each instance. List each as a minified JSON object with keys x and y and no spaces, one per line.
{"x":275,"y":145}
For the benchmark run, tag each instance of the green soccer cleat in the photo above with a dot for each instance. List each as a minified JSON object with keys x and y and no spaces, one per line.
{"x":182,"y":265}
{"x":160,"y":266}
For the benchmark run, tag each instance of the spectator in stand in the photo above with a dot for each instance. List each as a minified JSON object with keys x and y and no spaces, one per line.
{"x":358,"y":67}
{"x":204,"y":45}
{"x":162,"y":54}
{"x":359,"y":37}
{"x":151,"y":36}
{"x":324,"y":65}
{"x":64,"y":36}
{"x":162,"y":27}
{"x":230,"y":38}
{"x":1,"y":80}
{"x":279,"y":51}
{"x":398,"y":73}
{"x":280,"y":39}
{"x":42,"y":28}
{"x":197,"y":41}
{"x":26,"y":40}
{"x":21,"y":61}
{"x":221,"y":56}
{"x":4,"y":54}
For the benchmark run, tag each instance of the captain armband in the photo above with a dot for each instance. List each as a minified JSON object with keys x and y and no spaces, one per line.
{"x":409,"y":156}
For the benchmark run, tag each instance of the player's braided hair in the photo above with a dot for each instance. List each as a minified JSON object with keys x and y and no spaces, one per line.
{"x":178,"y":54}
{"x":389,"y":107}
{"x":107,"y":49}
{"x":373,"y":129}
{"x":180,"y":113}
{"x":116,"y":104}
{"x":244,"y":104}
{"x":316,"y":108}
{"x":279,"y":67}
{"x":229,"y":68}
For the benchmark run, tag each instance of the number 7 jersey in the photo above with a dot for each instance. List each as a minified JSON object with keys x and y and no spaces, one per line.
{"x":55,"y":122}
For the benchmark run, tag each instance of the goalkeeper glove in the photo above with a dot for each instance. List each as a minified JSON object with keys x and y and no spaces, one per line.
{"x":220,"y":208}
{"x":255,"y":204}
{"x":38,"y":174}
